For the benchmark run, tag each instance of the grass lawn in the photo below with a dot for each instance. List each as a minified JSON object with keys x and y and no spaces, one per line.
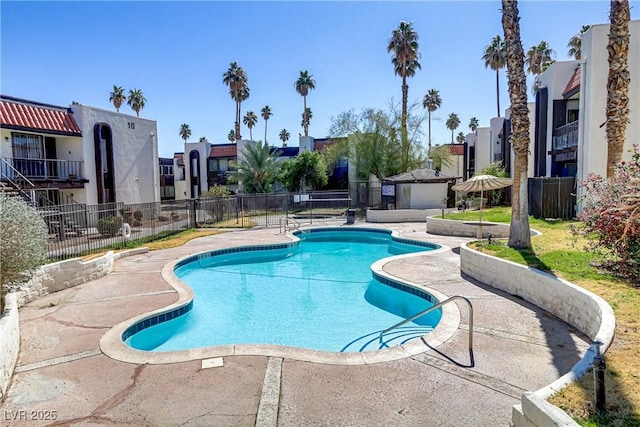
{"x":564,"y":255}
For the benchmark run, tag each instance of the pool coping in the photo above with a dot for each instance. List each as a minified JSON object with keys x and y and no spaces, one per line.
{"x":112,"y":344}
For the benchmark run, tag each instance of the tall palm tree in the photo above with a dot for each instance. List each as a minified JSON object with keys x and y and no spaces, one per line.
{"x":236,"y":79}
{"x":250,"y":119}
{"x":306,"y":118}
{"x":117,"y":97}
{"x":519,"y":232}
{"x":305,"y":83}
{"x":284,"y":137}
{"x":575,"y":43}
{"x":136,"y":100}
{"x":495,"y":58}
{"x":474,"y":124}
{"x":185,"y":132}
{"x":617,"y":82}
{"x":256,"y":168}
{"x":232,"y":135}
{"x":266,"y":114}
{"x":431,"y":102}
{"x":452,"y":123}
{"x":460,"y":137}
{"x":404,"y":45}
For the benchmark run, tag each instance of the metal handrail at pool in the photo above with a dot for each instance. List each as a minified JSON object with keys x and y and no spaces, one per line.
{"x":429,"y":310}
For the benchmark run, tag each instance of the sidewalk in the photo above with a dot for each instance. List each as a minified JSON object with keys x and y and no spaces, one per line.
{"x":61,"y":370}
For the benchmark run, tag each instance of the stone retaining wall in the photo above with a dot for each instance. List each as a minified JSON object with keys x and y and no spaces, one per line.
{"x":580,"y":308}
{"x":9,"y":342}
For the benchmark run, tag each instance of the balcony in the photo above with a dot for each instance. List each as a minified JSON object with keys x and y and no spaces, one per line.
{"x":217,"y":177}
{"x":566,"y":136}
{"x":41,"y":169}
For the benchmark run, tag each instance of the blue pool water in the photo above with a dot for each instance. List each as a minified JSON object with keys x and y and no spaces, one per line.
{"x":318,"y":294}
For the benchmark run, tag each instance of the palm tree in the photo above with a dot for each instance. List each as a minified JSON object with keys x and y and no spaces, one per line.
{"x":250,"y":119}
{"x":305,"y":83}
{"x":404,"y":45}
{"x":539,"y":58}
{"x":306,"y":118}
{"x":431,"y":102}
{"x":495,"y":58}
{"x":460,"y":138}
{"x":117,"y":97}
{"x":266,"y":114}
{"x":473,"y":124}
{"x":452,"y":123}
{"x":203,"y":139}
{"x":575,"y":43}
{"x":256,"y":168}
{"x":284,"y":137}
{"x":617,"y":83}
{"x":236,"y":79}
{"x":185,"y":132}
{"x":136,"y":100}
{"x":519,"y":232}
{"x":232,"y":135}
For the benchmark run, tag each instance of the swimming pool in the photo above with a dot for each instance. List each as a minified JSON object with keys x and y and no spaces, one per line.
{"x":318,"y":293}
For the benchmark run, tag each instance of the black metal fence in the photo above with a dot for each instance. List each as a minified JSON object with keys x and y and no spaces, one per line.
{"x":552,"y":197}
{"x":79,"y":229}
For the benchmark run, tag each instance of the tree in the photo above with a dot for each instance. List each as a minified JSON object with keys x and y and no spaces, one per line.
{"x":284,"y":137}
{"x":495,"y":58}
{"x":266,"y":114}
{"x":22,"y":243}
{"x":250,"y":119}
{"x":452,"y":123}
{"x":441,"y":156}
{"x":473,"y":124}
{"x":519,"y":231}
{"x":203,"y":139}
{"x":236,"y":79}
{"x":232,"y":135}
{"x":460,"y":138}
{"x":431,"y":102}
{"x":307,"y":169}
{"x":185,"y":132}
{"x":117,"y":97}
{"x":404,"y":45}
{"x":617,"y":82}
{"x":372,"y":144}
{"x":306,"y":119}
{"x":303,"y":85}
{"x":256,"y":168}
{"x":217,"y":208}
{"x":539,"y":58}
{"x":136,"y":100}
{"x":575,"y":43}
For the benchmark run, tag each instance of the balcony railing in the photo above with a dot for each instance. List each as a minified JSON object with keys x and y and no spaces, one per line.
{"x":498,"y":157}
{"x":566,"y":136}
{"x":218,"y":177}
{"x":42,"y":169}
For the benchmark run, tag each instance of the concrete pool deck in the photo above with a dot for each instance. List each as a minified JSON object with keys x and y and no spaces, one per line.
{"x":61,"y":369}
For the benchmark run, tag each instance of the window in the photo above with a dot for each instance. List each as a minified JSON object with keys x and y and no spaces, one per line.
{"x":27,"y":146}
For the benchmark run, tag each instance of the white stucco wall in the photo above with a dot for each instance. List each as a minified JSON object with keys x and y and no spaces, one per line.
{"x":203,"y":148}
{"x":483,"y":148}
{"x":135,"y":154}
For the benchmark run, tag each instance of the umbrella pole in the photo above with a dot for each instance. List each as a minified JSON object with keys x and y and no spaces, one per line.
{"x":479,"y":235}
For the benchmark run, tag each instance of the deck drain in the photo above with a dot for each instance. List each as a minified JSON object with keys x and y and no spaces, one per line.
{"x":215,"y":362}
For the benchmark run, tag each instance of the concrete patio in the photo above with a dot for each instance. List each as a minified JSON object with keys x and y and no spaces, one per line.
{"x":63,"y":374}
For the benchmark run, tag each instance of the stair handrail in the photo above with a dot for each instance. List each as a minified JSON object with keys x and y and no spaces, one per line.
{"x":429,"y":310}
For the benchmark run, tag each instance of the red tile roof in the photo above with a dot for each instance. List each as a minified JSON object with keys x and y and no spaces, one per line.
{"x":573,"y":86}
{"x":224,"y":150}
{"x":20,"y":114}
{"x":180,"y":158}
{"x":321,"y":144}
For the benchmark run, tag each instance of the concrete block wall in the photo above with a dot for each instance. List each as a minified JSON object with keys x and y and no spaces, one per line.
{"x":9,"y":342}
{"x":578,"y":307}
{"x":400,"y":215}
{"x":449,"y":227}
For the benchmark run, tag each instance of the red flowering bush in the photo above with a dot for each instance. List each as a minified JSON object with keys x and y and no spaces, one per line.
{"x":611,"y":217}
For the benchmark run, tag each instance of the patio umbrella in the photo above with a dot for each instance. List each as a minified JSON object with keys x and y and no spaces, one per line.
{"x":482,"y":183}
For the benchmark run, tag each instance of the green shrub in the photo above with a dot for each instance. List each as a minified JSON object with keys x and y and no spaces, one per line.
{"x":109,"y":226}
{"x":23,"y":236}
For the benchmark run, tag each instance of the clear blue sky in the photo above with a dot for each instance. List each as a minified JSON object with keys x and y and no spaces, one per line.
{"x":176,"y":53}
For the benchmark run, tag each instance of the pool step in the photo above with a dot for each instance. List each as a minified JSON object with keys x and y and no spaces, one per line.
{"x":399,"y":336}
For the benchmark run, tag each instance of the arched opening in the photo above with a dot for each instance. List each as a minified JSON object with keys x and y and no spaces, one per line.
{"x":194,"y":178}
{"x":103,"y":144}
